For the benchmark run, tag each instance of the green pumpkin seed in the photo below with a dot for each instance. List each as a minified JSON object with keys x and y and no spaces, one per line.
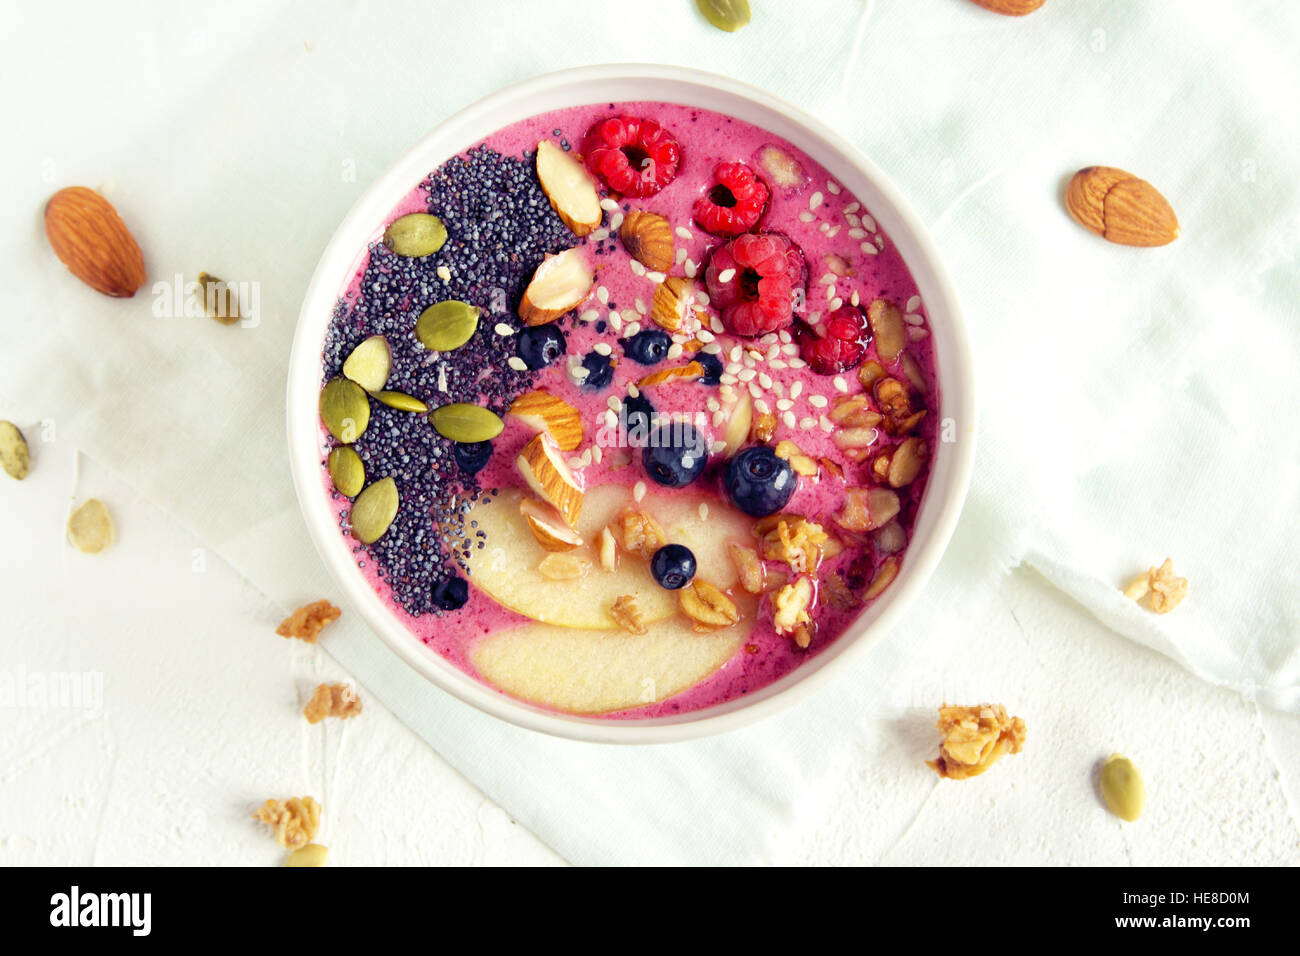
{"x":313,"y":854}
{"x":15,"y":456}
{"x":466,"y":423}
{"x":416,"y":235}
{"x":370,"y":363}
{"x":1122,"y":787}
{"x":729,"y":15}
{"x":344,"y":409}
{"x":374,"y":510}
{"x":346,"y":470}
{"x":401,"y":401}
{"x":446,"y":326}
{"x":219,"y":300}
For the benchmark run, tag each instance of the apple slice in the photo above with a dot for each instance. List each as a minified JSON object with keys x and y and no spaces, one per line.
{"x":548,"y":526}
{"x":595,"y":672}
{"x":546,"y":413}
{"x":560,"y":283}
{"x":548,"y":475}
{"x":506,"y":567}
{"x":569,"y":187}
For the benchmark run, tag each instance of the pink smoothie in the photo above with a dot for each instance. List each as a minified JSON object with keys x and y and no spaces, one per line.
{"x":829,"y":225}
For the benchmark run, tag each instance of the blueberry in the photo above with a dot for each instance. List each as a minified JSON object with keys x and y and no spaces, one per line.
{"x":712,"y":368}
{"x":471,"y":456}
{"x":759,"y":482}
{"x":649,"y":346}
{"x":639,"y":415}
{"x":676,"y":455}
{"x":540,"y":345}
{"x":600,"y":370}
{"x":451,"y":593}
{"x":673,"y":566}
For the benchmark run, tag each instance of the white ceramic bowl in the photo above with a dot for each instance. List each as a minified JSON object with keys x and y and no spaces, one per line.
{"x":952,"y":464}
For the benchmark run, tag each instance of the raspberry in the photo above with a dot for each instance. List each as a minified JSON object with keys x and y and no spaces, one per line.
{"x":734,"y":204}
{"x":842,"y":345}
{"x":631,"y":156}
{"x":763,"y":272}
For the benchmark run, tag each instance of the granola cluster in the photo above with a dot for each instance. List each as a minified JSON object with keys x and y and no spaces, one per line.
{"x":293,"y":822}
{"x":1162,"y":589}
{"x":332,"y":700}
{"x":308,"y":621}
{"x":975,"y":738}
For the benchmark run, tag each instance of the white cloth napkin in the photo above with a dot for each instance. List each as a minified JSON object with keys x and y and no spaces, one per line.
{"x":1135,"y":403}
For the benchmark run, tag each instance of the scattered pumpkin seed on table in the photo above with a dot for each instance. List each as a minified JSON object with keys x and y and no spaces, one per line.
{"x":401,"y":401}
{"x":346,"y":470}
{"x":446,"y":326}
{"x":729,"y":15}
{"x":463,"y":422}
{"x":1122,"y":787}
{"x":374,"y":510}
{"x":90,"y":529}
{"x":219,"y":300}
{"x":15,"y":456}
{"x":313,"y":854}
{"x":370,"y":363}
{"x":415,"y":236}
{"x":344,"y":409}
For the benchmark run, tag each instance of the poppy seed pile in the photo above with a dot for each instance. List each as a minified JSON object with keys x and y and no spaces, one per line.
{"x":500,"y":225}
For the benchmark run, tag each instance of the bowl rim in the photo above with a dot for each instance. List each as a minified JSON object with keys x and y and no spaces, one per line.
{"x":952,"y":467}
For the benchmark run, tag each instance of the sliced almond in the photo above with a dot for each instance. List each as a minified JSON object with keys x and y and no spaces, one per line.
{"x":856,"y":438}
{"x":883,"y":578}
{"x":569,"y":187}
{"x":544,"y":470}
{"x":833,"y":467}
{"x":866,"y":509}
{"x":563,"y":566}
{"x":607,"y":548}
{"x":1120,"y":207}
{"x":648,"y":238}
{"x":545,"y":412}
{"x":707,"y":605}
{"x":739,"y":420}
{"x":838,"y":265}
{"x":854,"y":410}
{"x":801,"y":463}
{"x":888,"y":327}
{"x":673,"y":374}
{"x":559,"y":285}
{"x":548,"y":526}
{"x":906,"y":461}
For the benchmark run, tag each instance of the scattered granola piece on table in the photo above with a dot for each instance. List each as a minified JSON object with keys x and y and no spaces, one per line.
{"x":974,"y":738}
{"x":307,"y":622}
{"x":332,"y":700}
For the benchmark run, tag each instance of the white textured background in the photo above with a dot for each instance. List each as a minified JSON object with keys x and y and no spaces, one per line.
{"x":234,"y":138}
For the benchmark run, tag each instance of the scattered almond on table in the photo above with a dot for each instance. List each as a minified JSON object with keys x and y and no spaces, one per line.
{"x":975,"y":738}
{"x":90,"y":238}
{"x":1011,"y":8}
{"x":307,"y":622}
{"x":1120,"y":207}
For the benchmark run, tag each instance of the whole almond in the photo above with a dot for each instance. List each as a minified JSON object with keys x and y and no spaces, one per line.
{"x":1011,"y":8}
{"x":1120,"y":207}
{"x":648,"y":238}
{"x":90,"y":238}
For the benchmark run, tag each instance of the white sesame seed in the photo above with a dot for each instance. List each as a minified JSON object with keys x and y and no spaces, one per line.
{"x":704,"y":335}
{"x":655,"y":276}
{"x":732,"y":368}
{"x":611,"y":419}
{"x":764,"y":379}
{"x":632,"y":390}
{"x":855,"y":299}
{"x":638,"y":490}
{"x":826,"y":424}
{"x":727,"y":378}
{"x":807,"y":423}
{"x":832,"y":187}
{"x":825,"y":227}
{"x":832,"y":232}
{"x":788,"y":419}
{"x":857,"y":233}
{"x":814,"y":318}
{"x":836,"y":303}
{"x":785,"y":405}
{"x":880,"y":241}
{"x":600,"y":235}
{"x":702,"y":298}
{"x":755,"y":391}
{"x":704,"y":505}
{"x":615,"y":321}
{"x":790,"y":349}
{"x":615,"y":221}
{"x":674,"y":351}
{"x":726,"y":275}
{"x":796,"y":389}
{"x":597,"y":454}
{"x":817,"y":401}
{"x":830,"y":292}
{"x":636,"y":266}
{"x":602,"y":348}
{"x":589,"y":315}
{"x":516,"y":363}
{"x":807,"y":216}
{"x":577,"y":371}
{"x":852,"y":219}
{"x":608,"y":205}
{"x":776,"y":364}
{"x":827,"y":279}
{"x":852,"y":207}
{"x":442,"y":378}
{"x":716,"y":325}
{"x":718,"y":416}
{"x":712,"y":404}
{"x":444,"y":273}
{"x":503,"y":329}
{"x":840,"y":384}
{"x":797,"y":363}
{"x":614,"y":403}
{"x":761,"y":406}
{"x":728,"y":393}
{"x":603,"y":295}
{"x":640,"y":306}
{"x":586,"y":458}
{"x":717,"y":448}
{"x":916,"y":334}
{"x":774,"y":351}
{"x":746,"y":374}
{"x":815,"y":200}
{"x":913,"y":319}
{"x":913,"y":304}
{"x":868,"y":223}
{"x":680,"y":256}
{"x":712,"y":348}
{"x":631,"y":329}
{"x":689,"y":268}
{"x":684,"y":233}
{"x":869,"y":248}
{"x":575,"y":463}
